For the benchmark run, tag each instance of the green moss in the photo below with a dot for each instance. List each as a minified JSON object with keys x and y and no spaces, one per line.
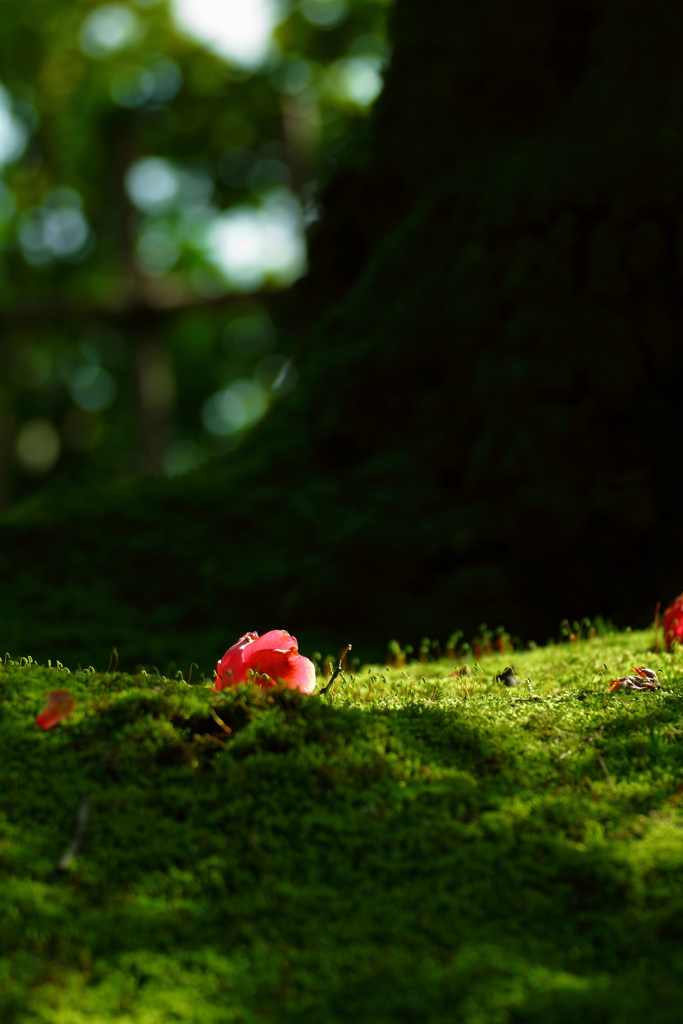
{"x":416,"y":846}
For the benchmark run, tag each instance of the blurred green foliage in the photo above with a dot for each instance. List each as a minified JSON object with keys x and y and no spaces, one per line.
{"x":129,"y":150}
{"x":417,"y":847}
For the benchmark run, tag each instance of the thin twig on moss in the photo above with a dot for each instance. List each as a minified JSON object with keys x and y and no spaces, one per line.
{"x":336,"y":672}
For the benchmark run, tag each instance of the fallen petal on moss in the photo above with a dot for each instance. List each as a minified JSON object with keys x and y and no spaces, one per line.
{"x":58,"y":706}
{"x":273,"y":658}
{"x":633,"y":683}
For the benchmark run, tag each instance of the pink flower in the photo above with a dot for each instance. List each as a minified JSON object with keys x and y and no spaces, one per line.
{"x":672,"y":623}
{"x":275,"y":655}
{"x":59,"y":704}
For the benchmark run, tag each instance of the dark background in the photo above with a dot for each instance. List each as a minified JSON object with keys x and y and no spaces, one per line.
{"x":485,"y":425}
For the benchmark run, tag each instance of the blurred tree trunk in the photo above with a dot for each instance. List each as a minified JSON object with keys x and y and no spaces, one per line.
{"x":495,"y":389}
{"x":152,"y":364}
{"x":156,"y":391}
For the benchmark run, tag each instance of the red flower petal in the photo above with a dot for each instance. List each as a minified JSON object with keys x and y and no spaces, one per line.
{"x":274,"y":655}
{"x":274,"y":640}
{"x":672,"y":622}
{"x":58,"y":706}
{"x":285,"y":666}
{"x":231,"y":668}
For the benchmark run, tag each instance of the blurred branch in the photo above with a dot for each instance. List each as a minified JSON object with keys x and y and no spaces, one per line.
{"x":21,"y":314}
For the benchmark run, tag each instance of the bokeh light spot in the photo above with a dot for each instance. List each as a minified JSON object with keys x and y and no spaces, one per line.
{"x":13,"y":133}
{"x":65,"y":231}
{"x":107,"y":29}
{"x":92,"y":388}
{"x":38,"y":445}
{"x":356,"y":79}
{"x":252,"y":246}
{"x":153,"y":86}
{"x":238,"y":406}
{"x":56,"y":230}
{"x":240,"y":30}
{"x":324,"y":13}
{"x":152,"y":184}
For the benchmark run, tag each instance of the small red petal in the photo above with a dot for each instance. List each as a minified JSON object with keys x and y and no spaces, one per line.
{"x":58,"y":706}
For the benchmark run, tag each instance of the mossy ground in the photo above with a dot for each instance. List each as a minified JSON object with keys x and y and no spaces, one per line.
{"x":414,"y":847}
